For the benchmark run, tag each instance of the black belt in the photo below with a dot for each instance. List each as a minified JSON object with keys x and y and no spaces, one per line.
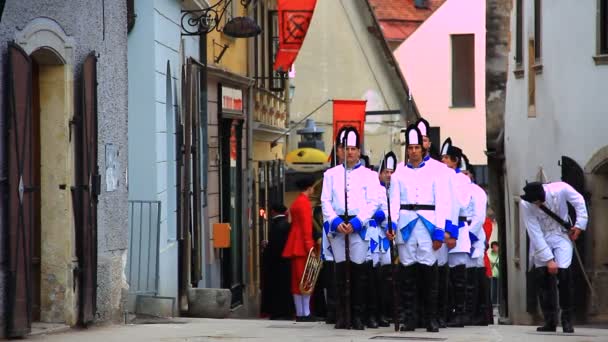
{"x":462,"y":219}
{"x":347,"y":218}
{"x":417,"y":207}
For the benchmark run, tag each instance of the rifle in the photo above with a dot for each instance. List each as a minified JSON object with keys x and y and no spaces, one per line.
{"x":393,"y":262}
{"x":347,"y":253}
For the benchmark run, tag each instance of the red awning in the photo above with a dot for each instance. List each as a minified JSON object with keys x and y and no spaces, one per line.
{"x":294,"y":20}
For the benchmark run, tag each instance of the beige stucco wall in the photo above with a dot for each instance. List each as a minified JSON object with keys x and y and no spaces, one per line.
{"x":262,"y":151}
{"x":340,"y":59}
{"x":56,"y":216}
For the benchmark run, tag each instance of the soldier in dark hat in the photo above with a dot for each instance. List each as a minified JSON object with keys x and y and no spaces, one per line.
{"x":276,"y":295}
{"x":420,"y":200}
{"x":544,"y":210}
{"x":349,"y":186}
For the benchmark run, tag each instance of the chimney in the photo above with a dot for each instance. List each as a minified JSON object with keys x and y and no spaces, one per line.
{"x":421,"y":3}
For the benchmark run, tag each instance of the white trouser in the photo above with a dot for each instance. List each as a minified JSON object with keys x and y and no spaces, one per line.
{"x":382,"y":258}
{"x":358,"y":248}
{"x":474,"y":262}
{"x":327,"y":249}
{"x":442,"y":255}
{"x":418,"y":248}
{"x":562,"y":249}
{"x":457,"y":259}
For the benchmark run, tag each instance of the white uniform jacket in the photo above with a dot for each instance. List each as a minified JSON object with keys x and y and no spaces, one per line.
{"x":361,"y":192}
{"x":424,"y":185}
{"x":380,"y":244}
{"x":548,"y":239}
{"x":462,"y":211}
{"x":476,"y":233}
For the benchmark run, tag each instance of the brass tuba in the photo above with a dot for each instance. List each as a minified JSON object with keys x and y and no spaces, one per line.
{"x":311,"y":272}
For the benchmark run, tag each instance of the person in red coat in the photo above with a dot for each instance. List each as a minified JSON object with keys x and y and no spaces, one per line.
{"x":299,"y":243}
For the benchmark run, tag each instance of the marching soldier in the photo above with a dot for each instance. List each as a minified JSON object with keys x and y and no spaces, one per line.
{"x":328,"y":270}
{"x":371,"y":236}
{"x":479,"y":202}
{"x":349,"y":201}
{"x":545,"y":212}
{"x":419,"y":194}
{"x":441,"y":253}
{"x":458,"y":255}
{"x":379,"y":303}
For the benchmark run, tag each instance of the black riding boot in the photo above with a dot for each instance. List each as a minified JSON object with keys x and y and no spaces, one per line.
{"x":458,"y":278}
{"x":430,"y":275}
{"x":442,"y":306}
{"x":385,"y":295}
{"x":340,"y":278}
{"x":420,"y":308}
{"x":480,"y":316}
{"x":566,"y":298}
{"x":372,"y":295}
{"x":329,"y":277}
{"x":470,"y":296}
{"x":547,"y":295}
{"x":360,"y":282}
{"x":407,"y":287}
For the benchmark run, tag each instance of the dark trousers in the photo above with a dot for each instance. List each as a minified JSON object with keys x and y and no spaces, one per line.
{"x":328,"y":278}
{"x":442,"y":306}
{"x":494,"y":290}
{"x":408,"y":281}
{"x":353,"y":291}
{"x":548,"y":294}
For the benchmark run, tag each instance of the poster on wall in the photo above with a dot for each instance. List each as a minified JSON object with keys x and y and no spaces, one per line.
{"x":232,"y":99}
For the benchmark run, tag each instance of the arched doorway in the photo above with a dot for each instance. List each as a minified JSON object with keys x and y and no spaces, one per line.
{"x":596,"y":172}
{"x":43,"y":172}
{"x":53,"y":170}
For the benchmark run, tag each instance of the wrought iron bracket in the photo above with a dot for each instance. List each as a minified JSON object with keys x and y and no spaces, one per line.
{"x":223,"y":48}
{"x":197,"y":22}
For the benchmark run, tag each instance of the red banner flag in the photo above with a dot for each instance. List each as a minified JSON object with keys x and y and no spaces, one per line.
{"x":349,"y":113}
{"x":294,"y":20}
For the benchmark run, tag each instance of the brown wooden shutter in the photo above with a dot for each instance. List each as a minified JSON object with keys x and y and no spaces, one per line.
{"x":185,"y":207}
{"x":85,"y":193}
{"x":130,"y":15}
{"x":463,"y":70}
{"x":21,"y":189}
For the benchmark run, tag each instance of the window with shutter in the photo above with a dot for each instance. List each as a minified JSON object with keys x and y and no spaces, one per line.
{"x":463,"y":70}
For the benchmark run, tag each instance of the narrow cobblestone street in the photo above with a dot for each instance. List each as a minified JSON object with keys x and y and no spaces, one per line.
{"x":200,"y":330}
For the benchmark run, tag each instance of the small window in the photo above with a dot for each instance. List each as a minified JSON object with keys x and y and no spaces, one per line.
{"x":519,"y":33}
{"x":276,"y":79}
{"x":463,"y":70}
{"x":537,"y":28}
{"x":531,"y":79}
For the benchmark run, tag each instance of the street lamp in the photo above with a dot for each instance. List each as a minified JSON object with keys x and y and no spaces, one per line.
{"x":197,"y":22}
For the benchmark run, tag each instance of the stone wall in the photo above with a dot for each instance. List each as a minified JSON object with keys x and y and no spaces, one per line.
{"x":498,"y":40}
{"x":98,"y":26}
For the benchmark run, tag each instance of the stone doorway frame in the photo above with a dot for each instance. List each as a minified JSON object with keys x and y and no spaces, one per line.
{"x":53,"y":50}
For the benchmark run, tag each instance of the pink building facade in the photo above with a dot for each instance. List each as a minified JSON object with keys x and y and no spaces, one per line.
{"x":443,"y":62}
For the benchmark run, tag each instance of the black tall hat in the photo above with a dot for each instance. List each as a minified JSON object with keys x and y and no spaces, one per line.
{"x":366,"y":161}
{"x":389,"y":162}
{"x":448,"y":149}
{"x":423,"y":127}
{"x":533,"y":192}
{"x":351,"y":138}
{"x":464,"y":163}
{"x":413,"y":136}
{"x":305,"y":182}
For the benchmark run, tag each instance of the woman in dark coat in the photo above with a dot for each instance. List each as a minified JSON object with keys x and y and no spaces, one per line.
{"x":276,"y":292}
